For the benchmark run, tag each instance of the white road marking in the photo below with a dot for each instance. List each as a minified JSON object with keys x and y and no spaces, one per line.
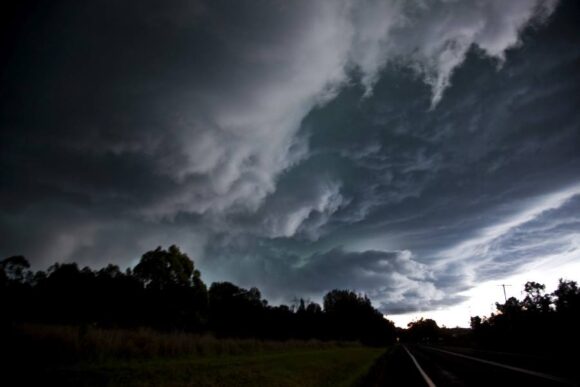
{"x":517,"y":369}
{"x":423,"y":374}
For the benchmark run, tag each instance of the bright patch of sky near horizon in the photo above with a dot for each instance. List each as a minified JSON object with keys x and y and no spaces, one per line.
{"x":481,"y":299}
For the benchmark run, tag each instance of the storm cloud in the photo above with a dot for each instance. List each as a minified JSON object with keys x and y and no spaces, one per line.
{"x":405,"y":149}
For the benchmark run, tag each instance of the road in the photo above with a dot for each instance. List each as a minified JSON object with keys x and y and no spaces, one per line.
{"x":419,"y":365}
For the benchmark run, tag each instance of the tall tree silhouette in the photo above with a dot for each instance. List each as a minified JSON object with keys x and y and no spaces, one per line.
{"x":161,"y":269}
{"x":423,"y":330}
{"x":175,"y":293}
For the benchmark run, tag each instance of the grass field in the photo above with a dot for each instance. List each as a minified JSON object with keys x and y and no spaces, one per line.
{"x":327,"y":367}
{"x":146,"y":358}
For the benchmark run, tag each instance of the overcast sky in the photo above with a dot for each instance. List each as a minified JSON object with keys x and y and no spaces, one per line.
{"x":411,"y":150}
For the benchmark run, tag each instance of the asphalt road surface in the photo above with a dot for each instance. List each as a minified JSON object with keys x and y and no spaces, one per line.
{"x":418,"y":365}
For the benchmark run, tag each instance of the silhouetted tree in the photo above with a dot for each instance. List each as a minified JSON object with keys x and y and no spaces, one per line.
{"x":475,"y":322}
{"x":540,"y":321}
{"x":423,"y":330}
{"x":176,"y":295}
{"x":161,"y":269}
{"x":15,"y":290}
{"x":567,"y":319}
{"x":536,"y":300}
{"x":235,"y":311}
{"x":14,"y":269}
{"x":308,"y":319}
{"x":567,"y":297}
{"x":351,"y":316}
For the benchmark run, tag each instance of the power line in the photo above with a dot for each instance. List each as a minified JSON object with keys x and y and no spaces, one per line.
{"x":504,"y":293}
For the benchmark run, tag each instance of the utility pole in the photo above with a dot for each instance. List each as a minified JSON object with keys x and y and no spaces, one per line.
{"x":504,"y":293}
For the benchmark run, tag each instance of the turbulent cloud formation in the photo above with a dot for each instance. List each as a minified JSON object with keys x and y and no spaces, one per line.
{"x":407,"y":149}
{"x":389,"y":278}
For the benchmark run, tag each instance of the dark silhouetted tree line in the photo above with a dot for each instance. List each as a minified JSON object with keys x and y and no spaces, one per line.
{"x":541,"y":321}
{"x":166,"y":292}
{"x":427,"y":331}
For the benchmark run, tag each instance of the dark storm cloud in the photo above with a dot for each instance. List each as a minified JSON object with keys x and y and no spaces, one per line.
{"x":393,"y":279}
{"x":404,"y":149}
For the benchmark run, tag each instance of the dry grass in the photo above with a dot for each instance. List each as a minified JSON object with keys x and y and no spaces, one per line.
{"x":98,"y":344}
{"x":77,"y":356}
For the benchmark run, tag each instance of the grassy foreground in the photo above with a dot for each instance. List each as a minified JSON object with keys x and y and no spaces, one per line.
{"x":327,"y":367}
{"x":145,"y":358}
